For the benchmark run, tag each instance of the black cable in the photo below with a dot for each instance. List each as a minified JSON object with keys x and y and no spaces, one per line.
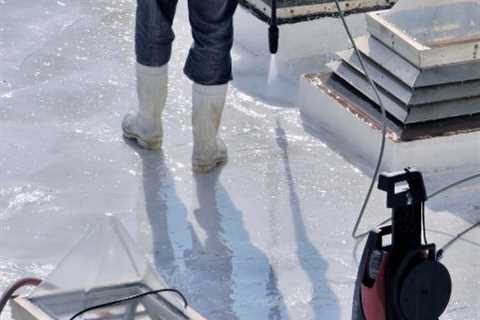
{"x":129,"y":298}
{"x":453,"y":185}
{"x":441,"y":252}
{"x":384,"y":127}
{"x":424,"y":225}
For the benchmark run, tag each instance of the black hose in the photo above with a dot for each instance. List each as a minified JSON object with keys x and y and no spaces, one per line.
{"x":442,"y":250}
{"x":9,"y":293}
{"x":455,"y":184}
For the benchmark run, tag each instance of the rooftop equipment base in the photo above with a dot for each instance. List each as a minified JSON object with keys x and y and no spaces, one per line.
{"x":352,"y":125}
{"x":423,"y":57}
{"x":410,"y":94}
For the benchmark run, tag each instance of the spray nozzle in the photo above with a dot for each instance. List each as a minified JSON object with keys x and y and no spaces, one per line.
{"x":273,"y":32}
{"x":273,"y":36}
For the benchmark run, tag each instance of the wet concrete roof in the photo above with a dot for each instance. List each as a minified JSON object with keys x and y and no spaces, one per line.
{"x":266,"y":237}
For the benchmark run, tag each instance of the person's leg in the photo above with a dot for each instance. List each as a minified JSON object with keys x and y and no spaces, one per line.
{"x":209,"y":61}
{"x":209,"y":150}
{"x":209,"y":66}
{"x":153,"y":47}
{"x":153,"y":31}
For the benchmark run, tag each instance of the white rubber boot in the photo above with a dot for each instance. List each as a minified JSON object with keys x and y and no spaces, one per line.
{"x":145,"y":126}
{"x":209,"y":150}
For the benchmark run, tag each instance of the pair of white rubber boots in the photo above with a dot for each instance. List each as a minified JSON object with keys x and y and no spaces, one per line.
{"x":145,"y":126}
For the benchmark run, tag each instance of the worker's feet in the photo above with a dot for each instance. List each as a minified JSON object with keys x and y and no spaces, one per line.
{"x":148,"y":137}
{"x":145,"y":127}
{"x":212,"y":160}
{"x":209,"y":151}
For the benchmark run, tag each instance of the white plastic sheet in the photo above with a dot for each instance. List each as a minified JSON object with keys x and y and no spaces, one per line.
{"x":104,"y":266}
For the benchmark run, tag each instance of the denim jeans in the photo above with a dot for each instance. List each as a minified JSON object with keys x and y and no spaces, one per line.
{"x":209,"y":61}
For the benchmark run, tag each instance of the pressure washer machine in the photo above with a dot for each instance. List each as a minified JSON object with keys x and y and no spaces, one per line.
{"x":400,"y":278}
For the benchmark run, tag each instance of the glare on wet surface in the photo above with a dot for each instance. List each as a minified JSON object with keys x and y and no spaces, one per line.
{"x":266,"y":237}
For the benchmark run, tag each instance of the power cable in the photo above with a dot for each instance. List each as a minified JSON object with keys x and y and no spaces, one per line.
{"x":424,"y":225}
{"x":129,"y":298}
{"x":442,"y":250}
{"x":384,"y":125}
{"x":453,"y":185}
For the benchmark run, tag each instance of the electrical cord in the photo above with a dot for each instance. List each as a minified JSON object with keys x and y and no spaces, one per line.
{"x":424,"y":225}
{"x":453,"y":185}
{"x":130,"y":298}
{"x":441,"y":252}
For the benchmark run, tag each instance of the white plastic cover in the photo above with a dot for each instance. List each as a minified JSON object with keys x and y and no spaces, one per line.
{"x":437,"y":22}
{"x":104,"y":266}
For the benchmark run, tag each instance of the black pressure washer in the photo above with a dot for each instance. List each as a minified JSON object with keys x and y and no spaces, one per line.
{"x":399,"y":277}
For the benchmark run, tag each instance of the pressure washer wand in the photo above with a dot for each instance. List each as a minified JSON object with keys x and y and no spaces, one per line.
{"x":273,"y":31}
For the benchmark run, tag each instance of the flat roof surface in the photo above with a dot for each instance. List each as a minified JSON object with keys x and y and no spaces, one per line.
{"x":267,"y":237}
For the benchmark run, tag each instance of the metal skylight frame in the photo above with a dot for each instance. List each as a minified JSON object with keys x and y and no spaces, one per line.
{"x":422,"y":55}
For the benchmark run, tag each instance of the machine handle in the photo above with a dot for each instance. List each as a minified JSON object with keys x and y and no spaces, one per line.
{"x":415,"y":193}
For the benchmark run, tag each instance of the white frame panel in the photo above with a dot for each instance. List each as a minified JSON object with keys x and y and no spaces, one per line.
{"x":24,"y":309}
{"x":421,"y":56}
{"x":324,"y":8}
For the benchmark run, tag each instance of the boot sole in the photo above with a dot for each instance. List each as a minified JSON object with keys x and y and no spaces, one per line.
{"x":205,"y":168}
{"x":141,"y":142}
